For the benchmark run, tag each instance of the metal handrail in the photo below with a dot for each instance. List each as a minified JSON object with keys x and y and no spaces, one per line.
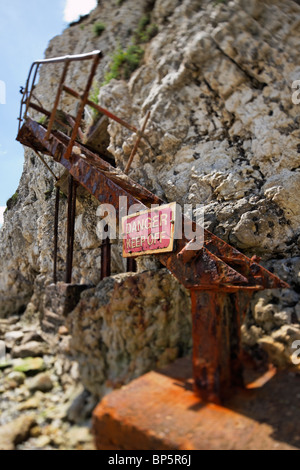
{"x":70,"y":58}
{"x":27,"y":95}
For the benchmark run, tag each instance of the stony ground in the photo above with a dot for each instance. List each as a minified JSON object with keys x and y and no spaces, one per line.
{"x":42,"y":403}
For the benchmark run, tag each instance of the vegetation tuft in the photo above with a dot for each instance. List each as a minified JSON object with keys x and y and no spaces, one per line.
{"x":93,"y":96}
{"x":98,"y":28}
{"x":48,"y":194}
{"x":42,"y":120}
{"x":145,"y":30}
{"x":12,"y":201}
{"x":124,"y":62}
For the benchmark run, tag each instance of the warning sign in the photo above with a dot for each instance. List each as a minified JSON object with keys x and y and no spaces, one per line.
{"x":150,"y":231}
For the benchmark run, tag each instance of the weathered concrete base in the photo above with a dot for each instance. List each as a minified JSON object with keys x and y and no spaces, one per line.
{"x":159,"y":411}
{"x":127,"y":325}
{"x":59,"y":300}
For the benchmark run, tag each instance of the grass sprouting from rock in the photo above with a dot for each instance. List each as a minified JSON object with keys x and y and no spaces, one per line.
{"x":124,"y":62}
{"x":12,"y":201}
{"x":42,"y":120}
{"x":30,"y":364}
{"x":145,"y":30}
{"x":94,"y":97}
{"x":98,"y":28}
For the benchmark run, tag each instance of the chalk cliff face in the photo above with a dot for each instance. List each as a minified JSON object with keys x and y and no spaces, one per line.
{"x":224,"y":132}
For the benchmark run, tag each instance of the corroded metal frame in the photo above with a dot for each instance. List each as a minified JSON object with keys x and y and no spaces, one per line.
{"x":221,"y":279}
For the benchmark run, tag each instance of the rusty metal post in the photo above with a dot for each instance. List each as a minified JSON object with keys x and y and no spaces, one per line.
{"x":240,"y":301}
{"x":211,"y":345}
{"x":105,"y":259}
{"x":57,"y":98}
{"x":217,"y":352}
{"x":71,"y":227}
{"x":134,"y":150}
{"x":131,"y":265}
{"x":82,"y":105}
{"x":57,"y":198}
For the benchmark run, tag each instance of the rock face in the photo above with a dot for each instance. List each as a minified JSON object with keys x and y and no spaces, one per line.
{"x":224,"y":132}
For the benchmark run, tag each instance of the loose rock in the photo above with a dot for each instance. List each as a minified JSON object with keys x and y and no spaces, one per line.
{"x":33,"y":349}
{"x":41,"y":382}
{"x":15,"y":432}
{"x":31,"y":336}
{"x":13,"y":337}
{"x":31,"y":404}
{"x":15,"y":379}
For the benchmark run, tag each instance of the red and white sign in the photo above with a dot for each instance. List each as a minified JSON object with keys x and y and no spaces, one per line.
{"x":150,"y":231}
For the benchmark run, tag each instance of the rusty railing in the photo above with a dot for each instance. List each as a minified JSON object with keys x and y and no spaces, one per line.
{"x":30,"y":101}
{"x":28,"y":96}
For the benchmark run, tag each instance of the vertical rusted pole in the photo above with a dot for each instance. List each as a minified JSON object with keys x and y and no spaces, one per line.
{"x":57,"y":197}
{"x":82,"y":105}
{"x":134,"y":150}
{"x":211,"y":345}
{"x":240,"y":301}
{"x":57,"y":98}
{"x":105,"y":258}
{"x":131,"y":265}
{"x":71,"y":228}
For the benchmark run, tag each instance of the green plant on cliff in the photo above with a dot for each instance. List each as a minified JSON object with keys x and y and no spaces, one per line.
{"x":94,"y":93}
{"x":48,"y":193}
{"x":12,"y":201}
{"x":93,"y":96}
{"x":124,"y":62}
{"x":98,"y":28}
{"x":42,"y":120}
{"x":145,"y":30}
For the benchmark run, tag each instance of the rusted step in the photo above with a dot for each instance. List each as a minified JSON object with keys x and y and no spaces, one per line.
{"x":159,"y":411}
{"x":83,"y":168}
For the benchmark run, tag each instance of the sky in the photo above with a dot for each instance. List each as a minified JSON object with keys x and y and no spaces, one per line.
{"x":26,"y":27}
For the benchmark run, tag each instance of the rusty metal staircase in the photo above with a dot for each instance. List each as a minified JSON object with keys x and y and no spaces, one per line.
{"x":220,"y":278}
